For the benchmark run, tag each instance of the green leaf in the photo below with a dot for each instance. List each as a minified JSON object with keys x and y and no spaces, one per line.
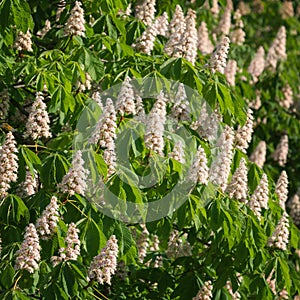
{"x":7,"y":275}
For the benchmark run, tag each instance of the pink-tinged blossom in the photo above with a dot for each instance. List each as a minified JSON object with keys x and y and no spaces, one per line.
{"x":281,"y":152}
{"x":37,"y":125}
{"x":204,"y":44}
{"x":46,"y":224}
{"x":41,"y":33}
{"x":75,"y":181}
{"x":178,"y":245}
{"x":97,"y":98}
{"x":162,"y":24}
{"x":281,"y":189}
{"x":4,"y":104}
{"x":199,"y":170}
{"x":143,"y":243}
{"x":75,"y":23}
{"x":125,"y":102}
{"x":258,"y":156}
{"x":294,"y":205}
{"x":181,"y":108}
{"x":23,"y":41}
{"x":72,"y":249}
{"x":86,"y":85}
{"x":145,"y":11}
{"x":286,"y":10}
{"x":234,"y":295}
{"x":244,"y":8}
{"x":8,"y":164}
{"x":225,"y":22}
{"x":28,"y":256}
{"x":206,"y":292}
{"x":257,"y":64}
{"x":104,"y":265}
{"x":178,"y":152}
{"x":29,"y":186}
{"x":287,"y":101}
{"x":217,"y":62}
{"x":230,"y":71}
{"x":61,"y":5}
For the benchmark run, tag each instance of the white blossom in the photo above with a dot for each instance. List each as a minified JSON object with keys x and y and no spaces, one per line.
{"x":281,"y":189}
{"x":286,"y":10}
{"x":204,"y":44}
{"x":287,"y":100}
{"x":86,"y":85}
{"x":75,"y":23}
{"x":244,"y":8}
{"x":125,"y":102}
{"x":145,"y":11}
{"x":37,"y":125}
{"x":257,"y":64}
{"x":23,"y":41}
{"x":143,"y":243}
{"x":4,"y":104}
{"x":41,"y":33}
{"x":75,"y":181}
{"x":30,"y":185}
{"x":178,"y":245}
{"x":178,"y":152}
{"x":46,"y":224}
{"x":104,"y":265}
{"x":8,"y":164}
{"x":181,"y":108}
{"x":28,"y":255}
{"x":258,"y":156}
{"x":281,"y":152}
{"x":61,"y":5}
{"x":206,"y":292}
{"x":225,"y":22}
{"x":230,"y":71}
{"x":294,"y":205}
{"x":199,"y":170}
{"x":162,"y":24}
{"x":97,"y":98}
{"x":234,"y":295}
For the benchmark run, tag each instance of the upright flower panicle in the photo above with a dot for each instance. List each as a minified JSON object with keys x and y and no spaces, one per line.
{"x":181,"y":108}
{"x":287,"y":100}
{"x":75,"y":180}
{"x":244,"y":8}
{"x":178,"y":245}
{"x":145,"y":11}
{"x":287,"y":10}
{"x":8,"y":164}
{"x":294,"y":206}
{"x":75,"y":23}
{"x":162,"y":24}
{"x":155,"y":125}
{"x":238,"y":186}
{"x":257,"y":64}
{"x":72,"y":249}
{"x":46,"y":224}
{"x":104,"y":265}
{"x":281,"y":189}
{"x":28,"y":255}
{"x":199,"y":170}
{"x":37,"y":125}
{"x":238,"y":34}
{"x":225,"y":23}
{"x":206,"y":292}
{"x":258,"y":156}
{"x":125,"y":102}
{"x":204,"y":44}
{"x":30,"y":185}
{"x":281,"y":152}
{"x":230,"y":71}
{"x":4,"y":104}
{"x":23,"y":41}
{"x":217,"y":62}
{"x":178,"y":152}
{"x":41,"y":33}
{"x":143,"y":243}
{"x":61,"y":5}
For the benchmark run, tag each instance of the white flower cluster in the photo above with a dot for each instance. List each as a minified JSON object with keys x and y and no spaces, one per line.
{"x":75,"y":179}
{"x":234,"y":295}
{"x":97,"y":98}
{"x":140,"y":111}
{"x":295,"y":209}
{"x":281,"y":152}
{"x":204,"y":44}
{"x":104,"y":265}
{"x":41,"y":33}
{"x":61,"y":5}
{"x":8,"y":164}
{"x":206,"y":292}
{"x":143,"y":243}
{"x":287,"y":100}
{"x":37,"y":125}
{"x":286,"y":10}
{"x":125,"y":102}
{"x":155,"y":125}
{"x":258,"y":156}
{"x":145,"y":11}
{"x":244,"y":8}
{"x":277,"y":50}
{"x":46,"y":224}
{"x":178,"y":246}
{"x":178,"y":152}
{"x":199,"y":169}
{"x":72,"y":250}
{"x":257,"y":64}
{"x":260,"y":197}
{"x":230,"y":71}
{"x":238,"y":186}
{"x":86,"y":85}
{"x":225,"y":22}
{"x":162,"y":24}
{"x":220,"y":168}
{"x":217,"y":62}
{"x":28,"y":255}
{"x":181,"y":108}
{"x":23,"y":41}
{"x":238,"y":35}
{"x":281,"y":189}
{"x":75,"y":23}
{"x":215,"y":10}
{"x":280,"y":236}
{"x":176,"y":30}
{"x":29,"y":186}
{"x":4,"y":104}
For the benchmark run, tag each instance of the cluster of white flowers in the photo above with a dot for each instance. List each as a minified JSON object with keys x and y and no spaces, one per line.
{"x":217,"y":62}
{"x":230,"y":71}
{"x":86,"y":85}
{"x":277,"y":50}
{"x":238,"y":34}
{"x":61,"y":5}
{"x":189,"y":39}
{"x":41,"y":33}
{"x":8,"y":164}
{"x":286,"y":10}
{"x":234,"y":295}
{"x":23,"y":41}
{"x":243,"y":134}
{"x":220,"y":168}
{"x":280,"y":236}
{"x":199,"y":169}
{"x":225,"y":22}
{"x":28,"y":255}
{"x":104,"y":265}
{"x":140,"y":111}
{"x":258,"y":156}
{"x":143,"y":243}
{"x":176,"y":30}
{"x":238,"y":186}
{"x":214,"y":9}
{"x":155,"y":125}
{"x":46,"y":224}
{"x":37,"y":125}
{"x":244,"y":8}
{"x":75,"y":179}
{"x":206,"y":292}
{"x":178,"y":246}
{"x":4,"y":104}
{"x":281,"y":189}
{"x":256,"y":103}
{"x":29,"y":186}
{"x":75,"y":23}
{"x":125,"y":102}
{"x":260,"y":197}
{"x":145,"y":11}
{"x":97,"y":98}
{"x":162,"y":24}
{"x":181,"y":108}
{"x":281,"y":152}
{"x":257,"y":64}
{"x":287,"y":100}
{"x":294,"y":205}
{"x":178,"y":152}
{"x":72,"y":249}
{"x":204,"y":44}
